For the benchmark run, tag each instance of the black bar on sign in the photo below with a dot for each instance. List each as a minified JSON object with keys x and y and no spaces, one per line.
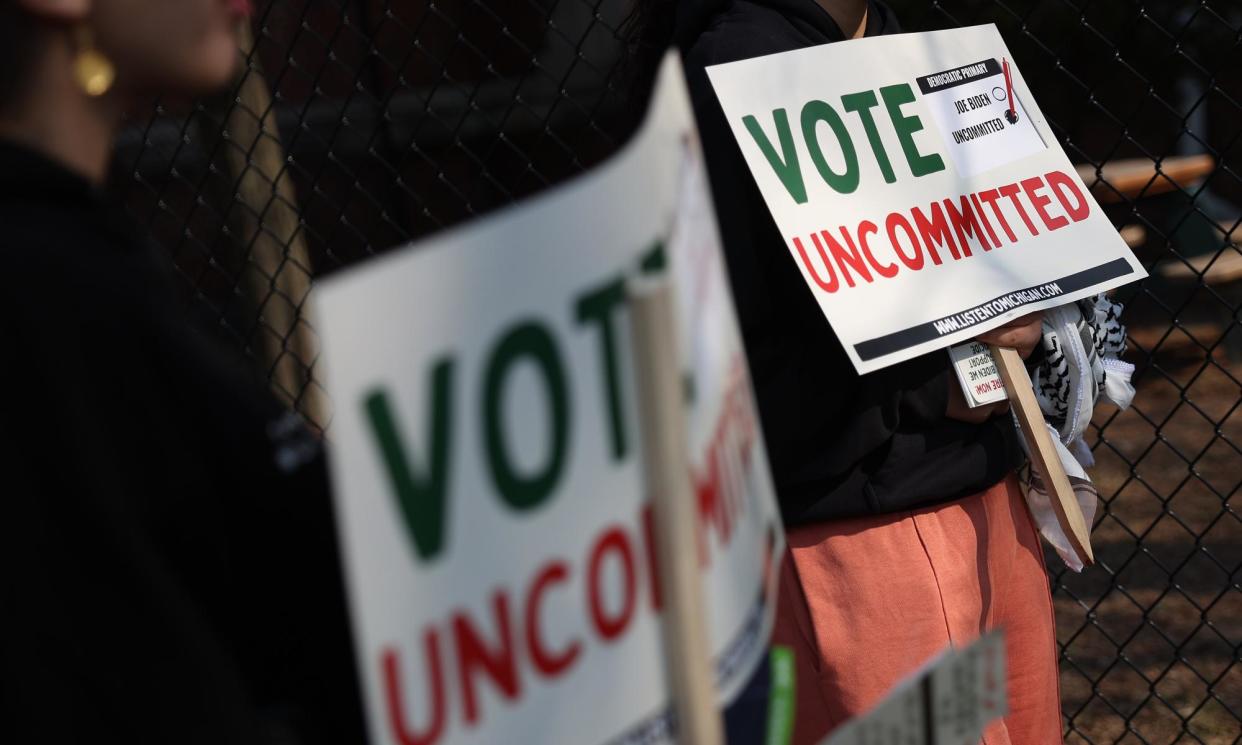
{"x":962,"y":75}
{"x":916,"y":335}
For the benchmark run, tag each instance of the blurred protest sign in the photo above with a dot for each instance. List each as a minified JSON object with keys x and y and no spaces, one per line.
{"x":919,"y":189}
{"x":949,"y":702}
{"x":497,"y":535}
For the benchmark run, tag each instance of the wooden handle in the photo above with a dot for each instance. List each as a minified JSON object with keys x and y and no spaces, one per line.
{"x":1043,"y":452}
{"x":666,"y":468}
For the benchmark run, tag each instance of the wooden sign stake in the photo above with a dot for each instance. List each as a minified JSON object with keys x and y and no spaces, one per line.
{"x":666,"y":468}
{"x":1043,"y":452}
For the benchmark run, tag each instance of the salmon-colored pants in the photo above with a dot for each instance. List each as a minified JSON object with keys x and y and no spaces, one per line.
{"x":864,"y":602}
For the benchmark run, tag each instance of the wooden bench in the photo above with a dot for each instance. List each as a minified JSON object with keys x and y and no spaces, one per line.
{"x":1119,"y":181}
{"x":1122,"y":180}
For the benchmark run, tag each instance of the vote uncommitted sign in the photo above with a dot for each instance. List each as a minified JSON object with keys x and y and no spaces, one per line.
{"x":497,"y":536}
{"x":918,"y":188}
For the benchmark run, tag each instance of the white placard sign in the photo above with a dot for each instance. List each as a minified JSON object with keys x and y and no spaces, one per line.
{"x":484,"y":448}
{"x":919,"y":214}
{"x":949,"y":702}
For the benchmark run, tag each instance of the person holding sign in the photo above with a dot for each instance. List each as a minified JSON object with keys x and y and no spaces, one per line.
{"x":167,"y":552}
{"x":907,"y":530}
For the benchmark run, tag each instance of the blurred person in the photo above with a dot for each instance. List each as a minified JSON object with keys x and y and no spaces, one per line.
{"x":907,"y":529}
{"x":168,"y":569}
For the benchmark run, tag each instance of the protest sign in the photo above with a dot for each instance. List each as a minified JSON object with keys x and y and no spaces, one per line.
{"x":919,"y":214}
{"x":949,"y":702}
{"x":497,"y":539}
{"x":977,"y":374}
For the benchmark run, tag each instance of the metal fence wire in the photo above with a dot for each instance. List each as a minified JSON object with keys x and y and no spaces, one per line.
{"x":360,"y":124}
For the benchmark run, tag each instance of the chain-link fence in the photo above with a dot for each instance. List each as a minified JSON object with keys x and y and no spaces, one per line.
{"x":361,"y":124}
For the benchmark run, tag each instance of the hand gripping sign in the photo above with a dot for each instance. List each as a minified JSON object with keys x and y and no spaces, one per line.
{"x":918,"y":214}
{"x":487,"y":460}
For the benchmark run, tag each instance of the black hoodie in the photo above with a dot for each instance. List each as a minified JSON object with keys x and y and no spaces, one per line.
{"x":840,"y":445}
{"x":168,"y":569}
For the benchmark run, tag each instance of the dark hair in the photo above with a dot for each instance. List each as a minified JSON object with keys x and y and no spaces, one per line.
{"x":19,"y":35}
{"x":647,"y":31}
{"x":650,"y":29}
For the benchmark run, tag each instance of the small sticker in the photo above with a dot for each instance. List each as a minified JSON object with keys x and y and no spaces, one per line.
{"x":976,"y":371}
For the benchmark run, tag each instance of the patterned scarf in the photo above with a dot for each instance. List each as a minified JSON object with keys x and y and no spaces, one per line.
{"x":1083,"y":342}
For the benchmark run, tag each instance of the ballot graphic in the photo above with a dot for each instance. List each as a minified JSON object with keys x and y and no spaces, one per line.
{"x":970,"y":103}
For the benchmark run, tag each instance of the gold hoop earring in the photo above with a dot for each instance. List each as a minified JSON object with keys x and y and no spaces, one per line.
{"x":93,"y":71}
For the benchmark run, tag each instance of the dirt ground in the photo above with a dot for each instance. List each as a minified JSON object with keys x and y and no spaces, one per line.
{"x":1152,"y":636}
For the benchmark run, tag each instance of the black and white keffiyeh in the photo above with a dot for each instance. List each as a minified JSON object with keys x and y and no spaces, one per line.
{"x":1083,"y":343}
